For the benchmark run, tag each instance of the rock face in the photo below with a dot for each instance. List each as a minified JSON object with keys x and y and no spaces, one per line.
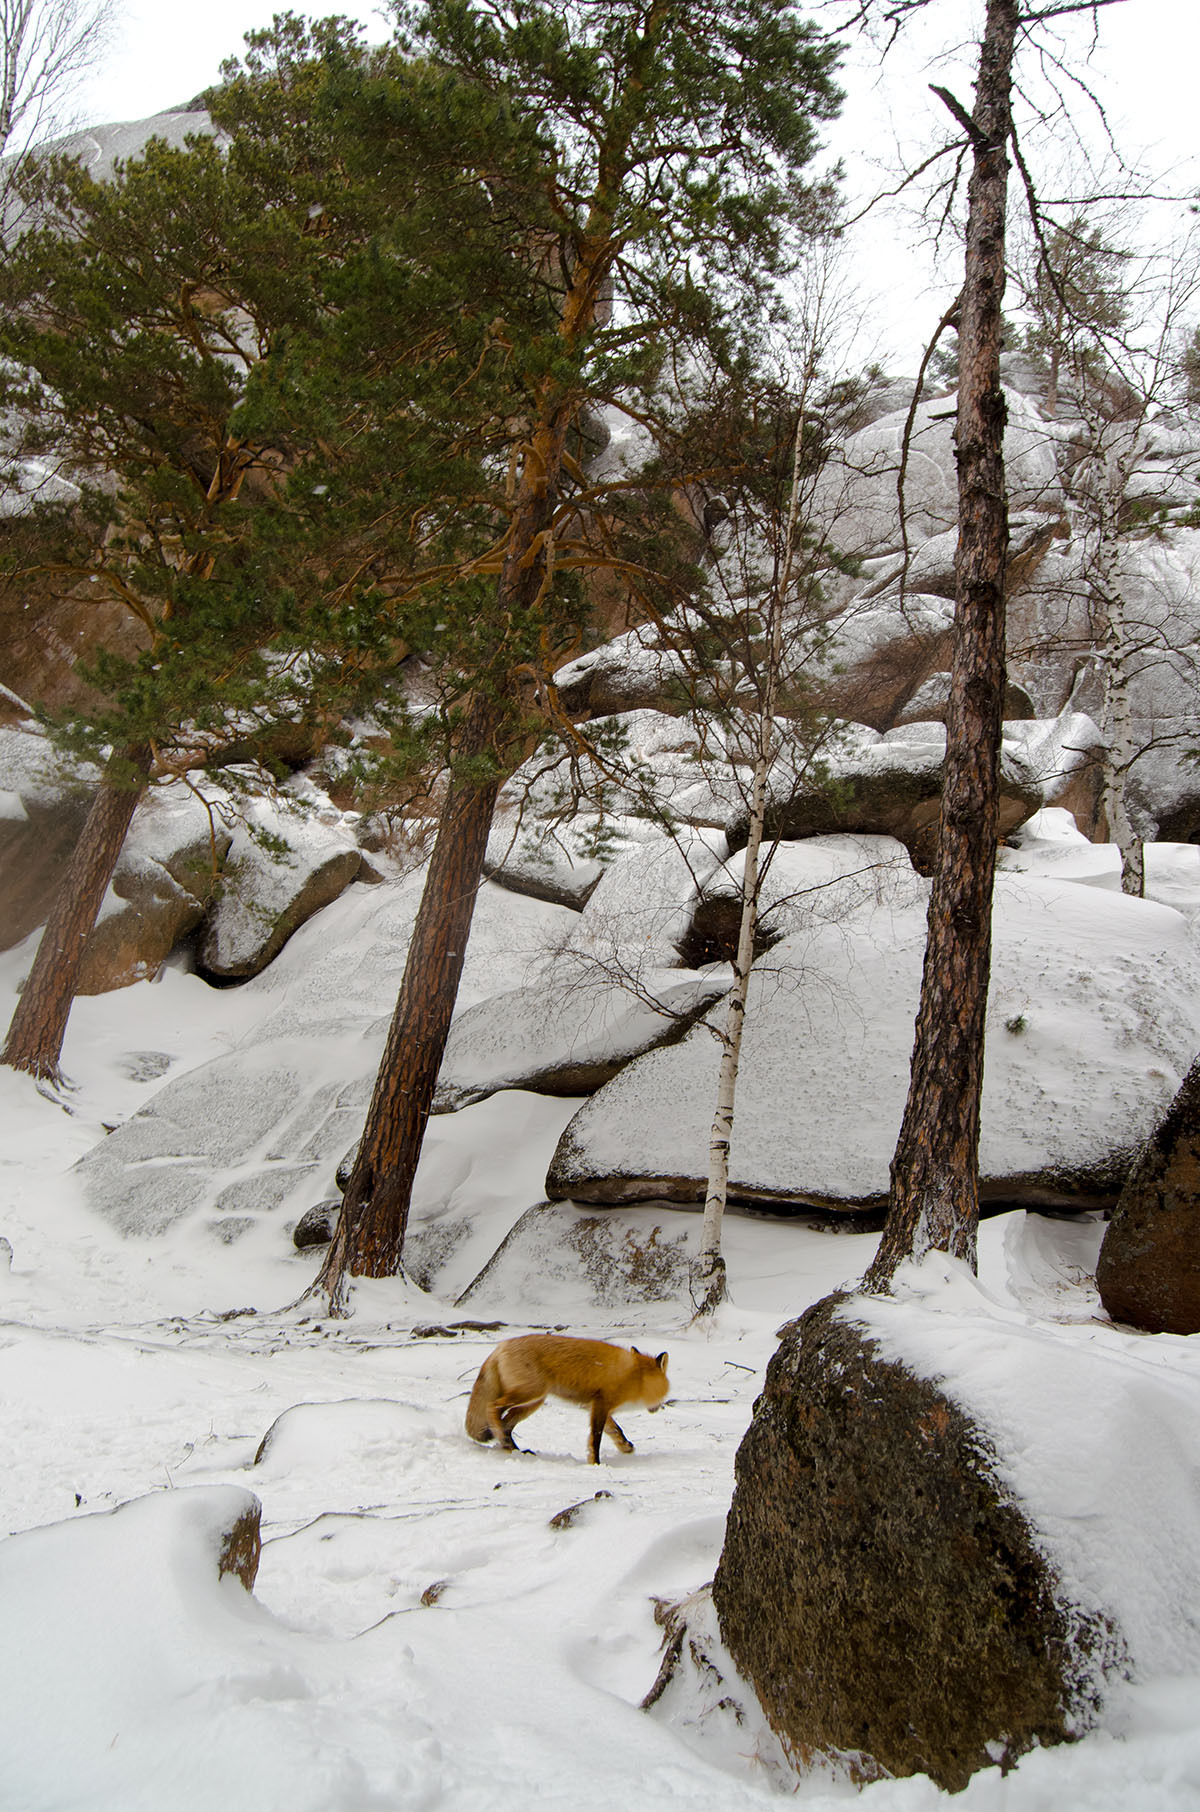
{"x":1149,"y":1269}
{"x":880,"y":1589}
{"x":857,"y":493}
{"x":881,"y":785}
{"x":42,"y":810}
{"x":556,"y":1258}
{"x":829,"y":1025}
{"x":1051,"y":638}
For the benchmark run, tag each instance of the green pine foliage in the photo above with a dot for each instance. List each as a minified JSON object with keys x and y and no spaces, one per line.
{"x":308,"y":375}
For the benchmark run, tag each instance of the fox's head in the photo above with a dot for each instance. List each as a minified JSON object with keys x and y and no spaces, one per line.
{"x":655,"y":1383}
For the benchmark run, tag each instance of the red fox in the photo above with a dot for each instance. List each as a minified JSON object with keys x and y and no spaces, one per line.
{"x":517,"y":1378}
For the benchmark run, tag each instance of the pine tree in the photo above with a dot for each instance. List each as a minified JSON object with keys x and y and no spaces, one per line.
{"x":662,"y":205}
{"x":934,"y":1199}
{"x":131,"y":314}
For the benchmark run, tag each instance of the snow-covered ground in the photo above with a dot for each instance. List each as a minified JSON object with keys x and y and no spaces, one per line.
{"x":419,"y":1636}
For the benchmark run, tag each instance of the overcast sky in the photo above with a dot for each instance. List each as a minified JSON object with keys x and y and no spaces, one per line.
{"x":1145,"y":71}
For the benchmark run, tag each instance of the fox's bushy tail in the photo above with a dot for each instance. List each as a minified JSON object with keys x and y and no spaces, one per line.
{"x":484,"y":1389}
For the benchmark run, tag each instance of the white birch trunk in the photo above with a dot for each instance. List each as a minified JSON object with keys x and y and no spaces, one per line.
{"x":708,"y":1275}
{"x":1104,"y":494}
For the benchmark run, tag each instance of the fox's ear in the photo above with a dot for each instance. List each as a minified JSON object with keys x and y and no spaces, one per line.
{"x":661,"y":1362}
{"x":638,"y":1351}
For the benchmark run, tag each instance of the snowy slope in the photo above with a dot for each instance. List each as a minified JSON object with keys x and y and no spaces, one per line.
{"x":131,"y":1679}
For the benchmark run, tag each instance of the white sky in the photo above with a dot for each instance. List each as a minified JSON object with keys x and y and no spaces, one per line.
{"x":166,"y":51}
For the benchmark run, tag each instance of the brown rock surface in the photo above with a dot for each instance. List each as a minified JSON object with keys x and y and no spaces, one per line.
{"x":1149,"y":1268}
{"x":884,"y":1595}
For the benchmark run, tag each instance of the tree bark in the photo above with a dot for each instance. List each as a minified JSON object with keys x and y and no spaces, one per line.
{"x":39,"y":1024}
{"x":934,"y":1198}
{"x":369,"y":1241}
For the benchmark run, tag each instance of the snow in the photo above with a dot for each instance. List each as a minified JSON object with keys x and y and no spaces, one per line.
{"x":1095,"y":1428}
{"x":419,"y":1636}
{"x":1094,"y":1017}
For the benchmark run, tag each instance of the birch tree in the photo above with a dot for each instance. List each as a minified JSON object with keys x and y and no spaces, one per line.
{"x":46,"y":47}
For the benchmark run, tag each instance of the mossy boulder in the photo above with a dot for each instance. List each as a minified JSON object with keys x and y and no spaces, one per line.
{"x":879,"y":1587}
{"x":1148,"y":1273}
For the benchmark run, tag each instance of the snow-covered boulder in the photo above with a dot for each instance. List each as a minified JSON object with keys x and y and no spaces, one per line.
{"x":283,"y":865}
{"x":371,"y":1429}
{"x":558,"y":1259}
{"x":569,"y":1036}
{"x":819,"y":880}
{"x":550,"y":861}
{"x":133,"y":1657}
{"x":649,"y":765}
{"x":632,"y":925}
{"x":629,"y":673}
{"x":165,"y":876}
{"x":886,"y":785}
{"x":857,"y":493}
{"x":943,"y":1611}
{"x":1094,"y":1017}
{"x":252,"y":1139}
{"x":1064,"y":754}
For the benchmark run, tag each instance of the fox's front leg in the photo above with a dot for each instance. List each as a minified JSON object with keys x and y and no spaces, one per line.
{"x":617,"y":1436}
{"x":602,"y":1423}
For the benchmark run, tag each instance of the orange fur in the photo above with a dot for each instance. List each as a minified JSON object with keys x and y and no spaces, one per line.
{"x":520,"y":1374}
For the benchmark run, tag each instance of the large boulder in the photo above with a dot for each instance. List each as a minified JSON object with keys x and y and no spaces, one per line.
{"x":284,"y":865}
{"x":558,"y":1259}
{"x":632,"y":926}
{"x":648,"y":765}
{"x":888,"y":786}
{"x":1094,"y":1017}
{"x":1148,"y":1272}
{"x":882,"y":1585}
{"x":632,"y":672}
{"x":567,"y":1037}
{"x":549,"y":861}
{"x":1065,"y":756}
{"x":251,"y":1139}
{"x":165,"y":876}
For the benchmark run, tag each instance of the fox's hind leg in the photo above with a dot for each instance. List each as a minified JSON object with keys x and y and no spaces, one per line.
{"x":505,"y":1413}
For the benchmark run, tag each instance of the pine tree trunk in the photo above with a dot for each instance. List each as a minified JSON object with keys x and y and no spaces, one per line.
{"x":934,"y":1198}
{"x":369,"y":1241}
{"x":39,"y":1024}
